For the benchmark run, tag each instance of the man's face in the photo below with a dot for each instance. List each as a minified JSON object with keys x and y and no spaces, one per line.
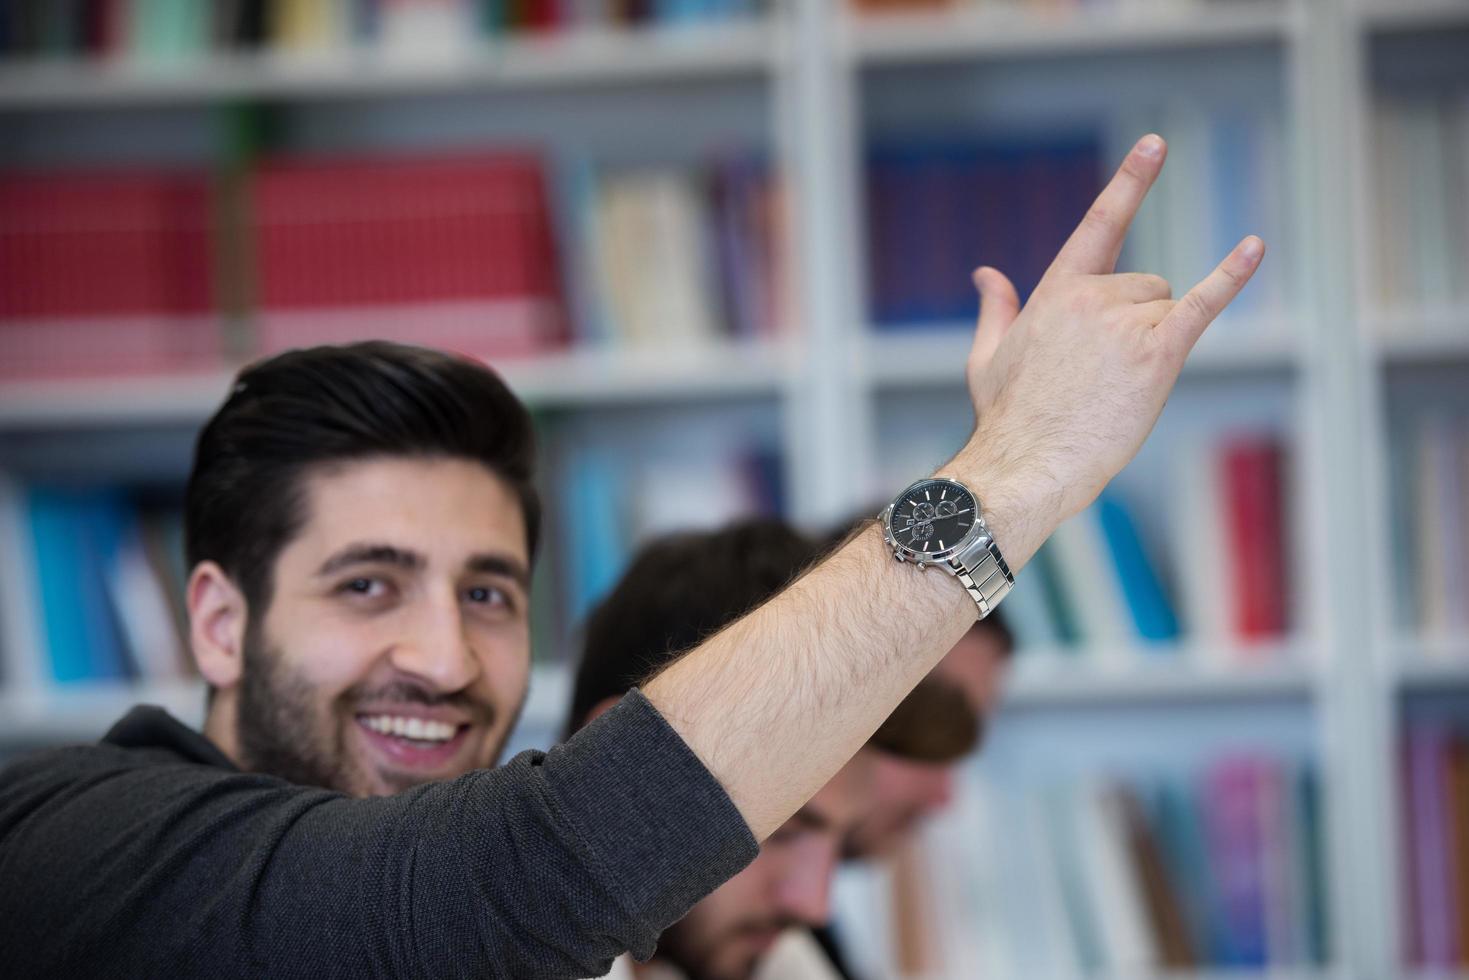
{"x":789,"y":883}
{"x":903,"y":791}
{"x":395,"y":647}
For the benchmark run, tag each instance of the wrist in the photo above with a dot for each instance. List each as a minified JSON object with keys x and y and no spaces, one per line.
{"x":1019,"y":508}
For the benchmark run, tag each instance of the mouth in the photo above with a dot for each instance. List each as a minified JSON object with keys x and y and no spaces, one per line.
{"x":412,"y":742}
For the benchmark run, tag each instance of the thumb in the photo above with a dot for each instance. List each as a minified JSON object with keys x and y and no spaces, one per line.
{"x":999,"y":305}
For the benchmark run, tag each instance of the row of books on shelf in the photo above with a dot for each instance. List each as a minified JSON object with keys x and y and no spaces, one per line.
{"x":1047,"y":8}
{"x":1436,"y":856}
{"x":154,"y":31}
{"x":150,"y":272}
{"x":1135,"y":876}
{"x":94,"y":588}
{"x":1221,"y":580}
{"x":1429,"y":469}
{"x":938,"y":208}
{"x":1421,"y":200}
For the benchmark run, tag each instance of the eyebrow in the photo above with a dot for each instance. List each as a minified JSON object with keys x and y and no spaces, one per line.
{"x":412,"y":561}
{"x":371,"y":554}
{"x":502,"y":565}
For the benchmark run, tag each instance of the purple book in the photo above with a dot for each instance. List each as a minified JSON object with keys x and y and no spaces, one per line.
{"x":1236,"y":838}
{"x":1436,"y":939}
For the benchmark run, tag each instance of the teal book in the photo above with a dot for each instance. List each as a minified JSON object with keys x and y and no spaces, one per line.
{"x":75,"y":535}
{"x":1152,"y":612}
{"x":1042,"y":571}
{"x":594,"y":524}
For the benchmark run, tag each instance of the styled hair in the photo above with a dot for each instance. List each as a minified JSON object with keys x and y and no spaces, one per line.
{"x":681,"y":589}
{"x":678,"y":591}
{"x":297,"y":411}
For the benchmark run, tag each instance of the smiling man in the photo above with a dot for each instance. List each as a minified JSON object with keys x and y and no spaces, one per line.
{"x":393,"y":649}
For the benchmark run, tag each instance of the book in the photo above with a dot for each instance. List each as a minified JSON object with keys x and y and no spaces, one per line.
{"x":1152,"y":612}
{"x":938,"y":208}
{"x":1435,"y":941}
{"x":1254,"y":496}
{"x":105,"y":273}
{"x":74,"y":533}
{"x":454,"y":252}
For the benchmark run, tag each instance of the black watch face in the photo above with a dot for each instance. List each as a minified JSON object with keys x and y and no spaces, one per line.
{"x":933,"y":516}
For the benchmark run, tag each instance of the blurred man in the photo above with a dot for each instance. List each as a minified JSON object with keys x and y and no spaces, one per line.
{"x":913,"y":759}
{"x":684,"y":588}
{"x":677,"y":591}
{"x":912,"y":764}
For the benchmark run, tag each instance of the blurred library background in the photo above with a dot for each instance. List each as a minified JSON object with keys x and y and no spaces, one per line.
{"x":722,"y":247}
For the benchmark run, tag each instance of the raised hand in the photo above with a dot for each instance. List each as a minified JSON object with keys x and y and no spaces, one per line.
{"x":1066,"y":389}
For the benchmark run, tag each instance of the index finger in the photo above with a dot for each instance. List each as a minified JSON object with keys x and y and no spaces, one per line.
{"x":1095,"y":244}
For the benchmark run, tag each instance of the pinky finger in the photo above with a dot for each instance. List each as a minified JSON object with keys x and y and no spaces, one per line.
{"x":1199,"y":306}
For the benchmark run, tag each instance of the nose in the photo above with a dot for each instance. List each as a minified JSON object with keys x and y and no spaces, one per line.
{"x":434,"y":646}
{"x":940,"y":789}
{"x":803,"y":891}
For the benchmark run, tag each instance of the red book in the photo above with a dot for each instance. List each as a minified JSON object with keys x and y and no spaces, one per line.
{"x":104,"y":273}
{"x":1257,"y":552}
{"x":450,"y":252}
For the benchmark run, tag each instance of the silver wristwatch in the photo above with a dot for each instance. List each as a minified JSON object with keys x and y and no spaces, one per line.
{"x":937,"y":522}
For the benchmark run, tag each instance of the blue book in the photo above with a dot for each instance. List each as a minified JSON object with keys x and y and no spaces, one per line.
{"x":76,"y":535}
{"x":1151,"y":611}
{"x":595,"y":518}
{"x":1174,"y":811}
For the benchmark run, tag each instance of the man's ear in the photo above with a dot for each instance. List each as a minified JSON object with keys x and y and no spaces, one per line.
{"x":217,"y":618}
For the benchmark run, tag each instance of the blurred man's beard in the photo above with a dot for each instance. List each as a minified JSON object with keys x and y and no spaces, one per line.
{"x":686,"y":956}
{"x":275,"y":723}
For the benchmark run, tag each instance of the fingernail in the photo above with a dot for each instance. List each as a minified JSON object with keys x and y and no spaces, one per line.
{"x":1252,"y":248}
{"x":1150,"y":145}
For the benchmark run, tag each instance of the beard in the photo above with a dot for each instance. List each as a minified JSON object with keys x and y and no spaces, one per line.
{"x":277,"y":724}
{"x":680,"y":946}
{"x":282,"y":729}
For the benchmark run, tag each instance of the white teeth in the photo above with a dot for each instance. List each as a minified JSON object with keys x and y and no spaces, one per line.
{"x":414,"y":728}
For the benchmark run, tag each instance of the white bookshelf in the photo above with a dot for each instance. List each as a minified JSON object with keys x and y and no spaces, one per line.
{"x":926,"y":356}
{"x":996,"y":31}
{"x":1124,"y":678}
{"x":577,"y":378}
{"x":809,"y":73}
{"x":583,"y":59}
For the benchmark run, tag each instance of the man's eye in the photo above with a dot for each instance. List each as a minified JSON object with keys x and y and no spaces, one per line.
{"x":362,"y":586}
{"x":486,"y":595}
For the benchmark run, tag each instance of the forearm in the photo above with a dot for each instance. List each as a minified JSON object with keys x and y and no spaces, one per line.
{"x":775,"y":704}
{"x":1065,"y":391}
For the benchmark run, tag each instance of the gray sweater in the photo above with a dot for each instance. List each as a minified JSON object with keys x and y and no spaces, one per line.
{"x":150,"y":855}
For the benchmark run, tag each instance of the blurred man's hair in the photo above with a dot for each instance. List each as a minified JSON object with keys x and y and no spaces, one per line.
{"x":681,"y":589}
{"x":678,"y":591}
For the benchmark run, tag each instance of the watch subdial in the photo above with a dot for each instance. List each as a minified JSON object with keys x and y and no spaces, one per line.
{"x":923,"y":512}
{"x":946,"y":508}
{"x":922,"y":532}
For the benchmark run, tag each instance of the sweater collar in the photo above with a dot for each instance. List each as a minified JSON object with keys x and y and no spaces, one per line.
{"x":148,"y":727}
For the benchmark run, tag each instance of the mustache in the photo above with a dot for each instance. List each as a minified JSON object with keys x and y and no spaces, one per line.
{"x":406,"y":692}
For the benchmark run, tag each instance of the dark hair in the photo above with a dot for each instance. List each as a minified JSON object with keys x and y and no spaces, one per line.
{"x":298,"y":410}
{"x":678,"y":591}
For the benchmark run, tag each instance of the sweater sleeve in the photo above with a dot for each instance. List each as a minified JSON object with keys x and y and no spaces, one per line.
{"x":549,"y":866}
